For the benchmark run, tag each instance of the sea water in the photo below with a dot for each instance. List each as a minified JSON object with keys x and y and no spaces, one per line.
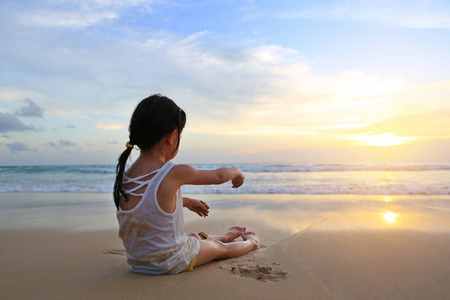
{"x":361,"y":179}
{"x":283,"y":195}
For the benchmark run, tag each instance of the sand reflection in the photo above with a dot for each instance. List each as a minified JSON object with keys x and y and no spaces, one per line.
{"x":288,"y":213}
{"x":299,"y":213}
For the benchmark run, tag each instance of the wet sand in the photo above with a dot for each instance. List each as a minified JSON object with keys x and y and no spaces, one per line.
{"x":314,"y":247}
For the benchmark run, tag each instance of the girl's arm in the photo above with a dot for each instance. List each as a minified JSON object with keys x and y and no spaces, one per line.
{"x":185,"y":174}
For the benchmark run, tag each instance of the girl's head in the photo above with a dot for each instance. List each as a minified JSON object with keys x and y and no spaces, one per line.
{"x":154,"y":118}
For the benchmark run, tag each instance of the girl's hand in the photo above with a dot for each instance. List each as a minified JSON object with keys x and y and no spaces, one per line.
{"x":198,"y":206}
{"x":238,"y":180}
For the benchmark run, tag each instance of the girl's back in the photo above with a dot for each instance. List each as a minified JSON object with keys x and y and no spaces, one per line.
{"x":155,"y":240}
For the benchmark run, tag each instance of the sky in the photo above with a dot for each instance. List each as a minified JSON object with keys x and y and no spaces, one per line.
{"x":286,"y":81}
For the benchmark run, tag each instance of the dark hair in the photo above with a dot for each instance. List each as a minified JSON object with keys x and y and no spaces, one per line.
{"x":154,"y":118}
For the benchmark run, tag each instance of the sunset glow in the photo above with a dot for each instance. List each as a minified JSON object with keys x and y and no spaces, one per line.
{"x":385,"y":140}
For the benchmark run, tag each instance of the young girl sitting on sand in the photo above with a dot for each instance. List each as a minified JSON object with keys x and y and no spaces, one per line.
{"x":149,"y":201}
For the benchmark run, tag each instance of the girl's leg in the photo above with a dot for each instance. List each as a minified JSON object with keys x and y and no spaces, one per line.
{"x":232,"y":234}
{"x":214,"y":249}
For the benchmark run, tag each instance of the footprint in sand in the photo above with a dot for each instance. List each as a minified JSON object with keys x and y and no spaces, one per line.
{"x":261,"y":272}
{"x":115,"y":252}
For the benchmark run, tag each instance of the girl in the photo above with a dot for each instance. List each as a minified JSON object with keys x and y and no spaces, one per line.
{"x":149,"y":201}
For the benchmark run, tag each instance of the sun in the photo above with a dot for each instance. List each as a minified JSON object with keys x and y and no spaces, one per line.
{"x":384,"y":140}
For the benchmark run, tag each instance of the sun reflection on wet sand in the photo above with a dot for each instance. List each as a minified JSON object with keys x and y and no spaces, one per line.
{"x":300,"y":213}
{"x":390,"y":217}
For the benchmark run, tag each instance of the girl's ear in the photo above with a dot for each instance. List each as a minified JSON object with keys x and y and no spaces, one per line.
{"x":171,"y":137}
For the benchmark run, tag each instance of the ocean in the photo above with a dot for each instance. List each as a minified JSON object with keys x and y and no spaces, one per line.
{"x":361,"y":179}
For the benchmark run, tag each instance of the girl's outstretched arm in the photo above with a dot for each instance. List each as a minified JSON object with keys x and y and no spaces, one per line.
{"x":185,"y":174}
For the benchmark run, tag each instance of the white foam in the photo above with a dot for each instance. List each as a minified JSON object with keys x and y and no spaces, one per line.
{"x":342,"y":168}
{"x":417,"y":179}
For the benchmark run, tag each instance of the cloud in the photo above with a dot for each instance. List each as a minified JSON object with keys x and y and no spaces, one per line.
{"x":401,"y":13}
{"x":97,"y":4}
{"x":17,"y":147}
{"x":77,"y":14}
{"x":295,"y":102}
{"x":405,"y":13}
{"x":10,"y":122}
{"x":226,"y":82}
{"x":18,"y":94}
{"x":31,"y":110}
{"x":62,"y":143}
{"x":108,"y":124}
{"x":68,"y":19}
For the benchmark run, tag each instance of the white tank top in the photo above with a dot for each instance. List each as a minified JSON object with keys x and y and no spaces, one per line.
{"x":154,"y":240}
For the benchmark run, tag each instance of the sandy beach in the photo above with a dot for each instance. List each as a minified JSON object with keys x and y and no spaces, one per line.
{"x":313,"y":247}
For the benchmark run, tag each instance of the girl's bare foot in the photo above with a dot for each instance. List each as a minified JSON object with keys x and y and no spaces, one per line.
{"x":232,"y":234}
{"x":252,"y":237}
